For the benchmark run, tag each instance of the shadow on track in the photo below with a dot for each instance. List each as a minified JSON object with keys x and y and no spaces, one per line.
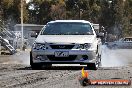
{"x":56,"y":68}
{"x":68,"y":68}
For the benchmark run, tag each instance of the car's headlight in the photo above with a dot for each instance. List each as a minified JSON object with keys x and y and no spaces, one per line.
{"x":84,"y":46}
{"x":39,"y":46}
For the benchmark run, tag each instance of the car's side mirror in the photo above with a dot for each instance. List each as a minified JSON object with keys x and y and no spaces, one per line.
{"x":34,"y":35}
{"x":101,"y":34}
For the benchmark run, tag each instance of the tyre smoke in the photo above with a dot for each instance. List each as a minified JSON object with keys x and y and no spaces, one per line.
{"x":116,"y":57}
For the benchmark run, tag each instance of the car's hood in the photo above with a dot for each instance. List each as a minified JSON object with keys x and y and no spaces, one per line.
{"x":65,"y":39}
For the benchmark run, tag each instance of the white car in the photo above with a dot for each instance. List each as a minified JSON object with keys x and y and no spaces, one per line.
{"x":66,"y":42}
{"x":123,"y":43}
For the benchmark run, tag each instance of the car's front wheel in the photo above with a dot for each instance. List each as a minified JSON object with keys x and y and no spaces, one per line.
{"x":34,"y":66}
{"x":47,"y":65}
{"x":91,"y":66}
{"x":96,"y":65}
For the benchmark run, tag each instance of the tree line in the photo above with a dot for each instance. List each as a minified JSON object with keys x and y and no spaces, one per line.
{"x":114,"y":15}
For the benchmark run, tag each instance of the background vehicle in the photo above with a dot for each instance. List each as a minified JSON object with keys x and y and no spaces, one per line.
{"x":66,"y":42}
{"x":123,"y":43}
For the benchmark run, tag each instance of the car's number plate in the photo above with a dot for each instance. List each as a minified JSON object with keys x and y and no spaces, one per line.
{"x":61,"y":54}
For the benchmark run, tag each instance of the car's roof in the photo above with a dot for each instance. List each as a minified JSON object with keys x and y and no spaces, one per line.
{"x":77,"y":21}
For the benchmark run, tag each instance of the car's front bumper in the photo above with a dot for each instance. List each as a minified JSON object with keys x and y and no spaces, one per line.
{"x":75,"y":56}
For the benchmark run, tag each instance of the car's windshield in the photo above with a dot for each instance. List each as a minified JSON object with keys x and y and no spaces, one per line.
{"x":67,"y":28}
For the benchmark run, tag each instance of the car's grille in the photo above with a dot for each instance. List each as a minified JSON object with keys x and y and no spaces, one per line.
{"x":70,"y":58}
{"x":61,"y":46}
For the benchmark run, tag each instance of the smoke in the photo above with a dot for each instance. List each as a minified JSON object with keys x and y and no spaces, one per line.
{"x":22,"y":57}
{"x":116,"y":57}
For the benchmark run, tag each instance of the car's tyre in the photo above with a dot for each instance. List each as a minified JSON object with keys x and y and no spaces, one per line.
{"x":91,"y":66}
{"x":47,"y":65}
{"x":98,"y":62}
{"x":34,"y":66}
{"x":96,"y":65}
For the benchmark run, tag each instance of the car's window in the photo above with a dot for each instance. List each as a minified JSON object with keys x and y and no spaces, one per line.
{"x":67,"y":28}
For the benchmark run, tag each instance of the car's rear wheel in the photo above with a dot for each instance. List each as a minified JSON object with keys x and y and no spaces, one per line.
{"x":34,"y":66}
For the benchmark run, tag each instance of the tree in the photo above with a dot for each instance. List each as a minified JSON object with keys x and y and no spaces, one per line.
{"x":127,"y":16}
{"x":95,"y":12}
{"x":115,"y":15}
{"x":40,"y":12}
{"x":11,"y":12}
{"x":58,"y":10}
